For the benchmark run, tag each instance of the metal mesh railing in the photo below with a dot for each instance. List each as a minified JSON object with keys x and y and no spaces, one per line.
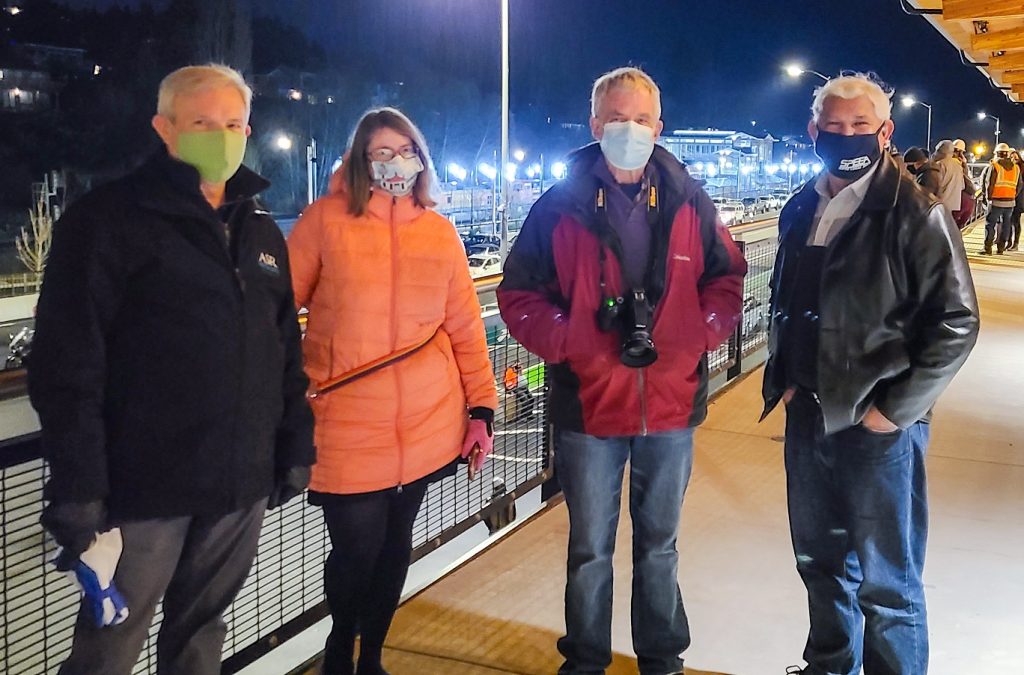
{"x":284,"y":592}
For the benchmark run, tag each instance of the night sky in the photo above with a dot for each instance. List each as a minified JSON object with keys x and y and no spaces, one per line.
{"x":718,"y":63}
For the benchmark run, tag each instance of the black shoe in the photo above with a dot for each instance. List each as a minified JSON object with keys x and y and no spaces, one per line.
{"x":984,"y":252}
{"x":999,"y":251}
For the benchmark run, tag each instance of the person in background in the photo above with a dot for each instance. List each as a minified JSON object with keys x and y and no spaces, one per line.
{"x":1003,"y":180}
{"x":923,"y":171}
{"x":951,"y":176}
{"x":167,"y":372}
{"x":873,"y":313}
{"x":622,"y":279}
{"x":402,"y":383}
{"x":1013,"y":234}
{"x":963,"y":216}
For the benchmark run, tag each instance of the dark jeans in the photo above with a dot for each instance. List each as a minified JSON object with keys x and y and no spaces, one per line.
{"x":197,"y":565}
{"x":371,"y":545}
{"x":998,"y":227}
{"x":590,"y":471}
{"x":859,"y":521}
{"x":1013,"y":235}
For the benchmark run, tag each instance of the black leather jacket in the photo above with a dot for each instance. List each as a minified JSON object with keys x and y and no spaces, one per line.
{"x":898,"y":310}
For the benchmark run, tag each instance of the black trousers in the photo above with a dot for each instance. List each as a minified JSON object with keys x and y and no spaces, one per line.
{"x":1013,"y":235}
{"x":371,"y":545}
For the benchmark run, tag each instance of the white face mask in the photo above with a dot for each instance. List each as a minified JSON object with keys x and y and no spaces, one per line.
{"x":397,"y":176}
{"x":627,"y":145}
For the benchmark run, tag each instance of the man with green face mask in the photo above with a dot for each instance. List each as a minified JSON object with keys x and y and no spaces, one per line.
{"x":167,"y":374}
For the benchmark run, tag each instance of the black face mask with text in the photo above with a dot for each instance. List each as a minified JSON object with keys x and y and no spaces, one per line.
{"x":848,"y":157}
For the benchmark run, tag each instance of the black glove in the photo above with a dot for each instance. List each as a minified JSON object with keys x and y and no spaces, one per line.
{"x":485,"y":414}
{"x":290,"y":483}
{"x":74,"y":525}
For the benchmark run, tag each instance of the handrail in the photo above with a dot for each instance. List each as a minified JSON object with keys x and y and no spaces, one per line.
{"x":13,"y":383}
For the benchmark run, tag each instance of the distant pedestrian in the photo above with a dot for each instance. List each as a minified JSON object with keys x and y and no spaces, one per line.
{"x":951,"y":176}
{"x":924,"y":172}
{"x":1002,"y":185}
{"x":969,"y":195}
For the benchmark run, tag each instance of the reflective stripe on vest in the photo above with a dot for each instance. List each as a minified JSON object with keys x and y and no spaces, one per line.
{"x":1006,"y":182}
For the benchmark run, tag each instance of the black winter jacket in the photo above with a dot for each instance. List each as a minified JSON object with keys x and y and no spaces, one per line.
{"x":166,"y":366}
{"x":898,"y":312}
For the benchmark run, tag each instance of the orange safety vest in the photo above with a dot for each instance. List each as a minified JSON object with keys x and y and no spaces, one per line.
{"x":1005,"y":186}
{"x":511,"y":378}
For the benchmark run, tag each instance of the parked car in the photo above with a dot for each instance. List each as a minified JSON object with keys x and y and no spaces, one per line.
{"x":729,"y":210}
{"x":755,"y":320}
{"x":483,"y":249}
{"x":484,"y":264}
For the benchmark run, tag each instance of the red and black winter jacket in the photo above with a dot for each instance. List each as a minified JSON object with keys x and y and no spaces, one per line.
{"x":551,"y":293}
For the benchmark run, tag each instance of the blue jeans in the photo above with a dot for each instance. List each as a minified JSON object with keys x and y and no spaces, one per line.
{"x":858,"y":515}
{"x":590,"y":471}
{"x":998,"y":227}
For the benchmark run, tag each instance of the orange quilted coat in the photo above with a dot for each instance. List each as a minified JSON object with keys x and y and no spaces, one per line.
{"x":374,"y":285}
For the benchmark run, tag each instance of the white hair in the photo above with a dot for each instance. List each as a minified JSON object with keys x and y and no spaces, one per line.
{"x":193,"y":79}
{"x":629,"y":78}
{"x":851,"y":87}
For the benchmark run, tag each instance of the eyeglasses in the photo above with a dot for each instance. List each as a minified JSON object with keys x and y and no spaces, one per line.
{"x":387,"y":154}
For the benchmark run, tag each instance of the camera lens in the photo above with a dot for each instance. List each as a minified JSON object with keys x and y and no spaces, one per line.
{"x":638,"y":350}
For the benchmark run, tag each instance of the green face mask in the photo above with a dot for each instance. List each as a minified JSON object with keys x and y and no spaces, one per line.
{"x":216,"y":154}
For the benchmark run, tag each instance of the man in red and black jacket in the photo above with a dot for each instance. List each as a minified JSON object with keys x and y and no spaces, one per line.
{"x":622,"y":279}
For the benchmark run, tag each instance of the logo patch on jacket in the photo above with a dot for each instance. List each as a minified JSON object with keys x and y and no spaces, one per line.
{"x":268,"y":264}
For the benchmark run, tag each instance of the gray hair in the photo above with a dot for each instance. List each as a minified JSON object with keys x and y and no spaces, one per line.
{"x":851,"y":87}
{"x":944,"y":148}
{"x":193,"y":79}
{"x":627,"y":77}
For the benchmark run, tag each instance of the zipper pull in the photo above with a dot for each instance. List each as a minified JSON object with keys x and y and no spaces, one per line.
{"x":399,"y":488}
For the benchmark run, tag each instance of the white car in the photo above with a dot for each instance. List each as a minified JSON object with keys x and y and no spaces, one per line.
{"x":484,"y":265}
{"x":730,"y":211}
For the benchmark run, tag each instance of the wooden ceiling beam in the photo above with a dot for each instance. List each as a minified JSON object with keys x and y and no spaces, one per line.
{"x":996,"y":41}
{"x":971,"y":10}
{"x":1012,"y":77}
{"x":1009,"y":61}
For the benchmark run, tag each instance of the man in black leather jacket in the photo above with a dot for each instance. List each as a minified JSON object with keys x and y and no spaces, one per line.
{"x":873,"y":313}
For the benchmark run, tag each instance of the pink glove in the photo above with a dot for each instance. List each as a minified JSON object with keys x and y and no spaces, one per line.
{"x":477,"y":436}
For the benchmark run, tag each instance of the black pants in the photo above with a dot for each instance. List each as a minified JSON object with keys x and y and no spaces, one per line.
{"x":1013,"y":235}
{"x":371,"y":545}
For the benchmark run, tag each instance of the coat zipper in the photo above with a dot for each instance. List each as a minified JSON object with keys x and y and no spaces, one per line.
{"x":641,"y":377}
{"x":394,"y":334}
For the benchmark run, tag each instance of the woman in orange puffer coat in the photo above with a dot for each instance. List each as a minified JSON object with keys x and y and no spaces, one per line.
{"x":388,"y":289}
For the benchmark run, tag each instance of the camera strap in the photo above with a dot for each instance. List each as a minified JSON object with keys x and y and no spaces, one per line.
{"x":606,"y":232}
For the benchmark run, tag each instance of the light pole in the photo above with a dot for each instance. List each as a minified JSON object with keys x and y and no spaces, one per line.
{"x":795,"y":71}
{"x":910,"y":102}
{"x":503,"y":250}
{"x":982,"y":116}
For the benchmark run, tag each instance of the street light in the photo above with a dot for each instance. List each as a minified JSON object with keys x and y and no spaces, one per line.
{"x":283,"y":142}
{"x":982,"y":116}
{"x":980,"y":149}
{"x":295,"y":95}
{"x":457,"y":171}
{"x":559,"y":170}
{"x":487,"y":170}
{"x":795,"y":71}
{"x":519,"y":154}
{"x":910,"y":102}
